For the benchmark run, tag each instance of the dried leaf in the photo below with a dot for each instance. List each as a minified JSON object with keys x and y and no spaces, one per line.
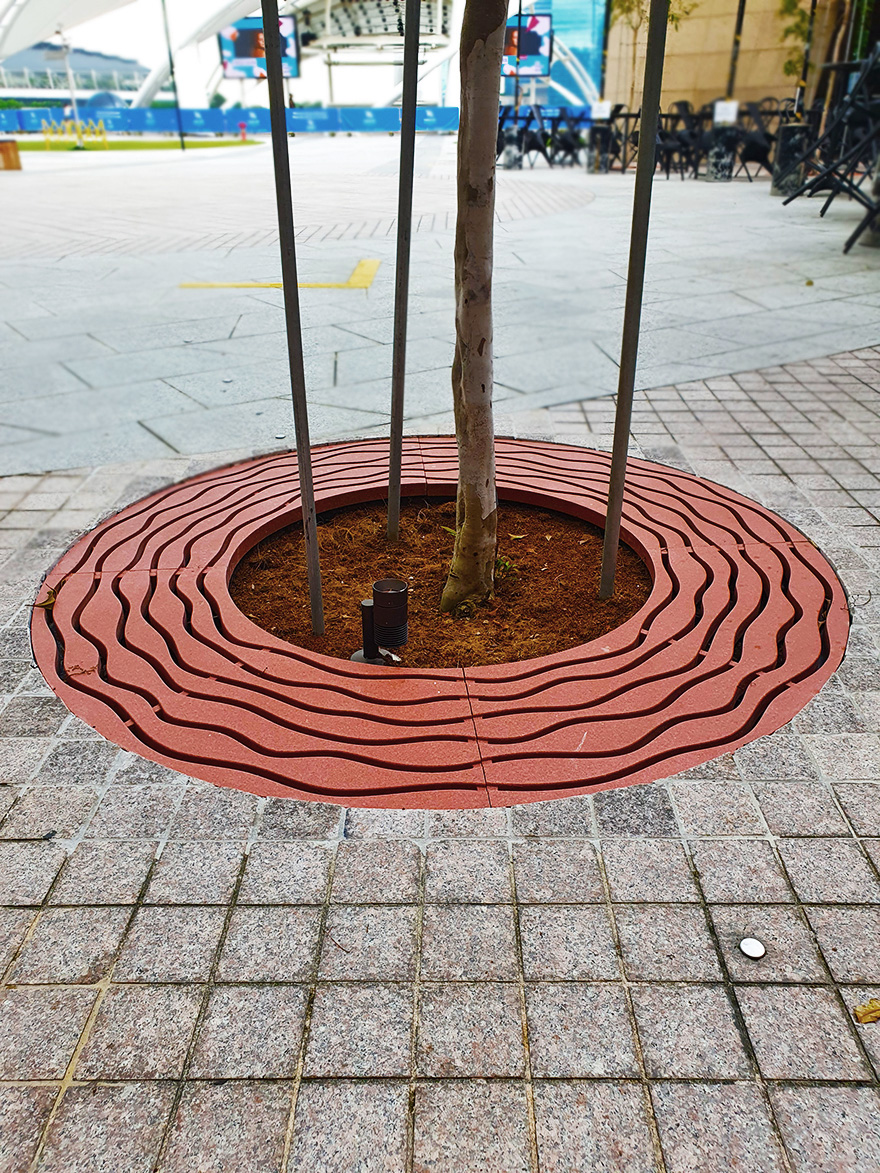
{"x":448,"y":530}
{"x":870,"y":1012}
{"x":516,"y":537}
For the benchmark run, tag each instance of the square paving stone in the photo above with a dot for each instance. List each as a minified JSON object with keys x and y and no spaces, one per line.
{"x":471,"y":1126}
{"x":369,"y":942}
{"x":829,"y":871}
{"x":829,"y":1129}
{"x":716,"y":808}
{"x":471,"y":1030}
{"x":49,"y":811}
{"x":638,"y":871}
{"x":742,"y":871}
{"x":468,"y":943}
{"x":14,"y":924}
{"x":384,"y":824}
{"x":847,"y":755}
{"x":134,"y":812}
{"x":229,"y":1128}
{"x":800,"y":808}
{"x":368,"y":1109}
{"x":563,"y":816}
{"x":72,"y":945}
{"x":469,"y":824}
{"x":116,"y":1128}
{"x":213,"y":812}
{"x":557,"y":873}
{"x":715,"y":1127}
{"x":270,"y":945}
{"x":586,"y":1127}
{"x":250,"y":1032}
{"x":688,"y":1032}
{"x":77,"y":763}
{"x":196,"y":872}
{"x":170,"y":944}
{"x":467,"y":873}
{"x":27,"y":871}
{"x":567,"y":941}
{"x":132,"y":770}
{"x":635,"y":810}
{"x":32,"y":716}
{"x":288,"y":818}
{"x":780,"y":755}
{"x":791,"y":954}
{"x":665,"y":942}
{"x":104,"y":872}
{"x":829,"y":712}
{"x":577,"y":1030}
{"x":140,"y":1033}
{"x":23,"y":1113}
{"x":861,"y":801}
{"x":20,"y":757}
{"x":39,"y":1029}
{"x":850,"y":941}
{"x":286,"y":873}
{"x":376,"y":872}
{"x":360,"y":1030}
{"x":800,"y":1033}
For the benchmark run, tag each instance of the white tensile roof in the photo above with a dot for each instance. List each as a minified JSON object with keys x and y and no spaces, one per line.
{"x":24,"y":22}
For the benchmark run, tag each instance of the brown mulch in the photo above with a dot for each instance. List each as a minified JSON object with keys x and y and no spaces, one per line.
{"x":546,"y":583}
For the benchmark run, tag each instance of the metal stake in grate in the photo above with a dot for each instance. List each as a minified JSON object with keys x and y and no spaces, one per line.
{"x":635,"y":282}
{"x":404,"y":238}
{"x":284,"y":200}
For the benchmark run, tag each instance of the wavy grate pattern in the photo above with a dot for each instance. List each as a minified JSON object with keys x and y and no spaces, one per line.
{"x":745,"y":622}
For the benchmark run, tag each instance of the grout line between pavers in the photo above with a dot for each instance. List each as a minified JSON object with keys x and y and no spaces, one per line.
{"x":528,"y":1078}
{"x":416,"y":1011}
{"x":102,"y":987}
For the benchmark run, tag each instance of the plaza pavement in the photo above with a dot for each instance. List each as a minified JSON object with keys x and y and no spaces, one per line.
{"x":200,"y":980}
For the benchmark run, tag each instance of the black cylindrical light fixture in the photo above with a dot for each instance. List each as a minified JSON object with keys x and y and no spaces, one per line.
{"x":390,"y":618}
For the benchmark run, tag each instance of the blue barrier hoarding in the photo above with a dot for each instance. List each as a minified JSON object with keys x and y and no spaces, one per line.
{"x":300,"y":120}
{"x":437,"y":118}
{"x":313,"y":120}
{"x":366,"y":118}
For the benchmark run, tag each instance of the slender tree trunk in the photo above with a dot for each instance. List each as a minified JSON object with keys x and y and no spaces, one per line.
{"x":471,"y":575}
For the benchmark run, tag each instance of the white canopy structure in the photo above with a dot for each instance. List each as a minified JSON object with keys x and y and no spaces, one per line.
{"x":24,"y":22}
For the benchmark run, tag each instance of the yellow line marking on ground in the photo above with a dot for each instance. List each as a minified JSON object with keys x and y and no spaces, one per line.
{"x":361,"y":278}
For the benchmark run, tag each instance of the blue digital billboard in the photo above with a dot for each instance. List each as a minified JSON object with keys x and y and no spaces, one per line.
{"x":243,"y":48}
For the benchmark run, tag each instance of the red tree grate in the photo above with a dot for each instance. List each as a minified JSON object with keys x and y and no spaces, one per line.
{"x":745,"y":622}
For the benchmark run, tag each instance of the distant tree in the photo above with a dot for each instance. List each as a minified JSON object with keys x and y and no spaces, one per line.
{"x":471,"y":574}
{"x":794,"y":35}
{"x":634,"y":14}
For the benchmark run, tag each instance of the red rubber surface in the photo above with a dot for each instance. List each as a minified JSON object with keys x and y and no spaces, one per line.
{"x":745,"y":622}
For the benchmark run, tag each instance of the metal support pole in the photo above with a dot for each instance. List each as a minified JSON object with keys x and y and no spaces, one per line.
{"x":800,"y":96}
{"x":519,"y":58}
{"x":72,"y":85}
{"x":173,"y":76}
{"x":606,"y":33}
{"x":281,"y":160}
{"x":635,"y":281}
{"x":409,"y":97}
{"x":734,"y":52}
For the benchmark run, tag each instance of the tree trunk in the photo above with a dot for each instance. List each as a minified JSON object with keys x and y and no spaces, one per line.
{"x":471,"y":575}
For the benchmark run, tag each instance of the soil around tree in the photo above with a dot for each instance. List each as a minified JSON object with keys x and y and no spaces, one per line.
{"x":546,"y":584}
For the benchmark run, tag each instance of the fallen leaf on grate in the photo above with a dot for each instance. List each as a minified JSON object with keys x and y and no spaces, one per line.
{"x":870,"y":1012}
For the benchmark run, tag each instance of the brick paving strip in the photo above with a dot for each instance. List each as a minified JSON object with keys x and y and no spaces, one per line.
{"x":200,"y":979}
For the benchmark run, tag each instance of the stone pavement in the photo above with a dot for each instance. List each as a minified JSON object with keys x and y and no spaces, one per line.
{"x":103,"y":357}
{"x":200,"y":980}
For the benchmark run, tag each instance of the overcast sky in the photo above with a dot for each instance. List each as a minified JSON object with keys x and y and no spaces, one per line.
{"x":136,"y":30}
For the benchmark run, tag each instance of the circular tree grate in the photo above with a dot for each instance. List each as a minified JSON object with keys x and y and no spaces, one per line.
{"x":745,"y":622}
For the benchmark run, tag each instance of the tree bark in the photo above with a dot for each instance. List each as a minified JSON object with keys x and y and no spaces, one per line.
{"x":471,"y":574}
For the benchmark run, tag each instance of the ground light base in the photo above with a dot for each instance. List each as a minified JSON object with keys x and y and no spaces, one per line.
{"x":745,"y":622}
